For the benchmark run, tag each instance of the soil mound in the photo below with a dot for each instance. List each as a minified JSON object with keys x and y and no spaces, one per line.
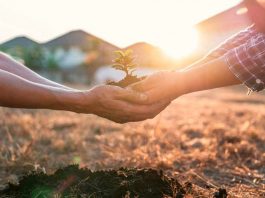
{"x":74,"y":182}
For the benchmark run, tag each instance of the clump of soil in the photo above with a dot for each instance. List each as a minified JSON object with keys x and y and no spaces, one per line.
{"x":221,"y":193}
{"x":74,"y":182}
{"x":128,"y":80}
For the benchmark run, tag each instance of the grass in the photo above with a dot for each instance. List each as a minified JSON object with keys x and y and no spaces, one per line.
{"x":212,"y":139}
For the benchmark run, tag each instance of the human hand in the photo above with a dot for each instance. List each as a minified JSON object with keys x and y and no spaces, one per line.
{"x":161,"y":86}
{"x":117,"y":104}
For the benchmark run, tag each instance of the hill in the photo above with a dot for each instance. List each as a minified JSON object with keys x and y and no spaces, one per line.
{"x":20,"y":41}
{"x":80,"y":39}
{"x":99,"y":50}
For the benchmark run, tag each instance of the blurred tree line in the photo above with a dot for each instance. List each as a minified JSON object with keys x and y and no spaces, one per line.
{"x":34,"y":57}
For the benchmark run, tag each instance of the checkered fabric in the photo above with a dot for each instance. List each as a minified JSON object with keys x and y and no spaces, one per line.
{"x":245,"y":57}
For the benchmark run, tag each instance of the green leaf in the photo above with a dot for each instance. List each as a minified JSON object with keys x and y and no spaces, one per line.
{"x":117,"y":64}
{"x":118,"y":67}
{"x":128,"y":52}
{"x":120,"y":53}
{"x":132,"y":65}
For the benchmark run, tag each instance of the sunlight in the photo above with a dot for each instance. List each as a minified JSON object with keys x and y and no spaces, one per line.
{"x":183,"y":44}
{"x":120,"y":22}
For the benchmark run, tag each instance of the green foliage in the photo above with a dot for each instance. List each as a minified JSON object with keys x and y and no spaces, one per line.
{"x":2,"y":49}
{"x":125,"y":61}
{"x":34,"y":57}
{"x":50,"y":61}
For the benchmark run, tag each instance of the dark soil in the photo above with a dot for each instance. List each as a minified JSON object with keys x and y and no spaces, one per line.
{"x":128,"y":80}
{"x":221,"y":193}
{"x":74,"y":182}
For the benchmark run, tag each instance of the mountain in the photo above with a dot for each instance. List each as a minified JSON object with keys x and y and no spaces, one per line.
{"x":80,"y":39}
{"x":21,"y":41}
{"x":141,"y":48}
{"x":98,"y":49}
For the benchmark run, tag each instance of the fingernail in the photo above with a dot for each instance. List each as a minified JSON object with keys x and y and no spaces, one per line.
{"x":143,"y":97}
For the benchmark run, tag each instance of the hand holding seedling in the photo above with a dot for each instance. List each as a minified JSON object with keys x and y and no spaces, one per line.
{"x":23,"y":88}
{"x":118,"y":104}
{"x":161,"y":86}
{"x":167,"y":86}
{"x":125,"y":61}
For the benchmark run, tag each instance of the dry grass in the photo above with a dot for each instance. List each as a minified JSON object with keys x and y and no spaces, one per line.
{"x":214,"y":139}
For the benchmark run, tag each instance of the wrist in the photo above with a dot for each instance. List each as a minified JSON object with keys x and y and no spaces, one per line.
{"x":74,"y":100}
{"x":179,"y":83}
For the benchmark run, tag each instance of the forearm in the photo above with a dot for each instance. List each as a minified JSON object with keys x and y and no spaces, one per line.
{"x":198,"y":63}
{"x":10,"y":65}
{"x":211,"y":75}
{"x":20,"y":93}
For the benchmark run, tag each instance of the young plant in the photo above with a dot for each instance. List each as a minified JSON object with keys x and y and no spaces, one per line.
{"x":125,"y":61}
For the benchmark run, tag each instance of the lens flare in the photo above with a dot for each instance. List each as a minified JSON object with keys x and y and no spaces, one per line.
{"x":184,"y":43}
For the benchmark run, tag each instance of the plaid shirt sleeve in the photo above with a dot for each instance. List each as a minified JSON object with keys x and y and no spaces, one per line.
{"x":231,"y":43}
{"x":247,"y":61}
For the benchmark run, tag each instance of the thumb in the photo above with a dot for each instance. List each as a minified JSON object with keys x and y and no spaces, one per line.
{"x":132,"y":96}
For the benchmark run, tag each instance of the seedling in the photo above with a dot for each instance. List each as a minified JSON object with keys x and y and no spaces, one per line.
{"x":125,"y":61}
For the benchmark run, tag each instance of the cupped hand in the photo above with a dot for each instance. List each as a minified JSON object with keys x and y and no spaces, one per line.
{"x":161,"y":86}
{"x":118,"y":104}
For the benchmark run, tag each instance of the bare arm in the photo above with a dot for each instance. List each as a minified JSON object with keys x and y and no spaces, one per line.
{"x":198,"y":63}
{"x":21,"y":93}
{"x":110,"y":102}
{"x":10,"y":65}
{"x":170,"y":85}
{"x":211,"y":75}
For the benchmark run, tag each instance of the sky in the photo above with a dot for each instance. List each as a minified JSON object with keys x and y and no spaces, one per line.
{"x":121,"y":22}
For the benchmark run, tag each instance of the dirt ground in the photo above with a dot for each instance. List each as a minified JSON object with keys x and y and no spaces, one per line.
{"x":213,"y":139}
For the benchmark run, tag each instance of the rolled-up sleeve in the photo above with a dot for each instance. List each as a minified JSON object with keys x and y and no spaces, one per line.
{"x":247,"y":62}
{"x":232,"y":42}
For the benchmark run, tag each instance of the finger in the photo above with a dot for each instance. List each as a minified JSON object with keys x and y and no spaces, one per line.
{"x":123,"y":109}
{"x":114,"y":106}
{"x":150,"y":114}
{"x":122,"y":112}
{"x":148,"y":111}
{"x":140,"y":113}
{"x":162,"y":107}
{"x":131,"y":96}
{"x":142,"y":86}
{"x":156,"y":96}
{"x":157,"y":108}
{"x":151,"y":97}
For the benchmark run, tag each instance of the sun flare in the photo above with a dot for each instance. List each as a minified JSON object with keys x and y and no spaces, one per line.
{"x":184,"y":42}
